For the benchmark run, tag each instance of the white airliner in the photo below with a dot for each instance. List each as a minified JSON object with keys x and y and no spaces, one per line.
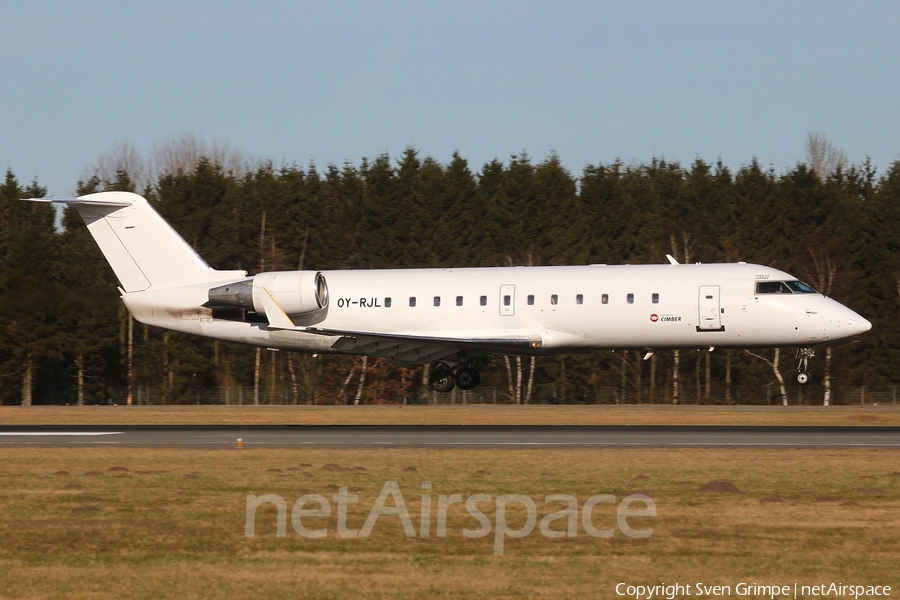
{"x":457,"y":318}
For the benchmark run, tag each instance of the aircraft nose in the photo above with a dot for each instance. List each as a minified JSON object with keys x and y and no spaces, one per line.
{"x":846,"y":322}
{"x":858,"y":325}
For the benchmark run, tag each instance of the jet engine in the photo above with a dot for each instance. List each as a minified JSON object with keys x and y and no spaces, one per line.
{"x":296,"y":292}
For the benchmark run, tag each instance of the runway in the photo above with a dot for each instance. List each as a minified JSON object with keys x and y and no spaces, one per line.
{"x":444,"y":436}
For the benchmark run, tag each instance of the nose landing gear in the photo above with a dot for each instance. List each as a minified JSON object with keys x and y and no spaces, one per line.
{"x":803,"y":356}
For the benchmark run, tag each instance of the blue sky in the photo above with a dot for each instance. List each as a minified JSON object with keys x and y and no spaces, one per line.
{"x":332,"y":81}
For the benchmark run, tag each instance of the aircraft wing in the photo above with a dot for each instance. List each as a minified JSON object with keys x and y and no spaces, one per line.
{"x":405,"y":348}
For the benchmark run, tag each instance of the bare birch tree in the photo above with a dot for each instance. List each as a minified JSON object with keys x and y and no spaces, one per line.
{"x":79,"y":366}
{"x":345,"y":383}
{"x":530,"y":387}
{"x":124,"y":157}
{"x":362,"y":379}
{"x":686,"y":246}
{"x":295,"y":392}
{"x":823,"y":276}
{"x":513,"y":390}
{"x":256,"y":376}
{"x":675,"y":367}
{"x":182,"y":154}
{"x":176,"y":156}
{"x":773,"y":364}
{"x":822,"y":155}
{"x":28,"y":381}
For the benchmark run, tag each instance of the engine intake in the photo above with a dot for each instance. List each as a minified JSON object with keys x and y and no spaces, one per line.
{"x":296,"y":292}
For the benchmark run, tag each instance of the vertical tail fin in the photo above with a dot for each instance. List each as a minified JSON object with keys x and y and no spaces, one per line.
{"x":140,"y":246}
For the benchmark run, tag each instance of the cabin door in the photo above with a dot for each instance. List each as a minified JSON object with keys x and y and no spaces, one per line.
{"x":507,"y":300}
{"x":710,"y":309}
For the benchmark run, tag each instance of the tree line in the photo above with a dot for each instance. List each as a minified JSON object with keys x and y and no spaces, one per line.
{"x":67,"y":338}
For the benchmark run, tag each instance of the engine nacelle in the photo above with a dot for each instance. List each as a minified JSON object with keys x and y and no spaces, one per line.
{"x":296,"y":292}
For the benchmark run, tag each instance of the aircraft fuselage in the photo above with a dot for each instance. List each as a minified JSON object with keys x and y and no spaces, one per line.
{"x":574,"y":308}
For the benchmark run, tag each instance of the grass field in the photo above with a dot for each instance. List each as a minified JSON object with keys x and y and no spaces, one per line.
{"x":456,"y":415}
{"x":138,"y":523}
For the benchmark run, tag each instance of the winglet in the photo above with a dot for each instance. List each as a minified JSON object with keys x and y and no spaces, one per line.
{"x":672,"y":260}
{"x":278,"y":319}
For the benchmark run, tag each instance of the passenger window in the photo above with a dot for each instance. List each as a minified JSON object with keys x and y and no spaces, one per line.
{"x":437,"y":300}
{"x":412,"y":301}
{"x":579,"y":299}
{"x":507,"y":300}
{"x":630,"y":298}
{"x":530,"y":299}
{"x":554,"y":299}
{"x":387,"y":302}
{"x":655,"y":298}
{"x":604,"y":299}
{"x":483,"y":300}
{"x":459,"y":300}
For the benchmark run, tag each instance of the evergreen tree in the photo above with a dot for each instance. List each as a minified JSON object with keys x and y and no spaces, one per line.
{"x":65,"y":331}
{"x":28,"y":285}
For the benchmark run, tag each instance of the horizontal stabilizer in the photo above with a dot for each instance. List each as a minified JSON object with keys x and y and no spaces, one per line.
{"x":86,"y":201}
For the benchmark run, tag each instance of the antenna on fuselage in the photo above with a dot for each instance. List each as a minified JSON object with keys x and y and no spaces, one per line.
{"x":672,"y":260}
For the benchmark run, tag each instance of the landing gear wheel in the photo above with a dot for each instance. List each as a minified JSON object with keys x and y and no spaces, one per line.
{"x":442,"y":379}
{"x":467,"y":378}
{"x":803,"y":356}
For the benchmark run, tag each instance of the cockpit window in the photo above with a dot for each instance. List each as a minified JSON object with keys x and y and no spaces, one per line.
{"x":772,"y":287}
{"x":800,"y":288}
{"x":783,"y":287}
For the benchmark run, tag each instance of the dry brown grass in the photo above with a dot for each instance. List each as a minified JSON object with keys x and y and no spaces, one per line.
{"x":455,"y":415}
{"x":151,"y":531}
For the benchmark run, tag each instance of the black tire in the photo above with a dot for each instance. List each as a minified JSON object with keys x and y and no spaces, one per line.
{"x":467,"y":378}
{"x":803,"y":378}
{"x":442,"y":380}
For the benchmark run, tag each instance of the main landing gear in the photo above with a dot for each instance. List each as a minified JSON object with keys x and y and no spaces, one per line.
{"x":803,"y":356}
{"x":465,"y":376}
